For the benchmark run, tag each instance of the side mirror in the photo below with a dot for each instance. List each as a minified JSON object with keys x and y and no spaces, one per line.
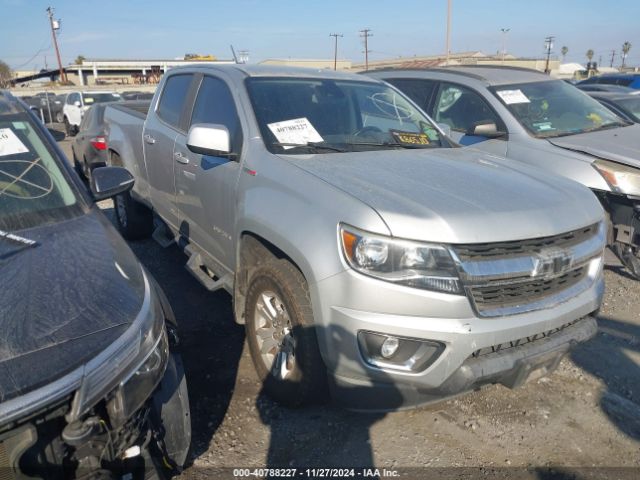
{"x":107,"y":182}
{"x":209,"y":139}
{"x":446,"y":129}
{"x":77,"y":103}
{"x":485,"y":129}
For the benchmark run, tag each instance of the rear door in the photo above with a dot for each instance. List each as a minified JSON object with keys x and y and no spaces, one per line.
{"x":206,"y":185}
{"x":160,"y":131}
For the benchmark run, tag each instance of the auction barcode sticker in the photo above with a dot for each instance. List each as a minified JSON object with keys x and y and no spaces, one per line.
{"x":298,"y":131}
{"x":10,"y":144}
{"x":513,"y":96}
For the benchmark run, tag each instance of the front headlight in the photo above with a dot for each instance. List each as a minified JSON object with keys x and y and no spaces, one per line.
{"x":120,"y":363}
{"x":404,"y":262}
{"x":621,"y":178}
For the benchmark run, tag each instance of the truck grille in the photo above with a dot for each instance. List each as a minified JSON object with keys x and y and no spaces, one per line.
{"x":510,"y":295}
{"x":507,"y":278}
{"x":519,"y":247}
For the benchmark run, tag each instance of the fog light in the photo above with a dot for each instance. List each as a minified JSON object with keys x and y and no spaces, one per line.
{"x":398,"y":353}
{"x":389,"y":347}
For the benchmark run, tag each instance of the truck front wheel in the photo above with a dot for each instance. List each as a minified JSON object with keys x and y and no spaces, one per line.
{"x":281,"y":335}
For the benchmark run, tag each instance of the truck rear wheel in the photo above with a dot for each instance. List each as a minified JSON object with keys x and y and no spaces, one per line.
{"x":281,"y":335}
{"x":135,"y":220}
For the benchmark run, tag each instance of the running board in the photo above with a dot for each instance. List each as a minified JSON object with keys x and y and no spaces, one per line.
{"x":195,"y":264}
{"x":162,"y":235}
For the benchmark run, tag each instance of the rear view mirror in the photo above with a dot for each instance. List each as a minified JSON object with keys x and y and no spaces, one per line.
{"x":485,"y":129}
{"x":209,"y":139}
{"x":107,"y":182}
{"x":77,"y":103}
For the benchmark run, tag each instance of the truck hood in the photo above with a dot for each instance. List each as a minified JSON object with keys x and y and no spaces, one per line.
{"x":64,"y":300}
{"x":457,"y":195}
{"x":620,"y":145}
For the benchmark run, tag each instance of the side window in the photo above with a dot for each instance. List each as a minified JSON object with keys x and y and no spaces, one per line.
{"x":215,"y":104}
{"x":462,"y":108}
{"x":73,"y":98}
{"x":173,"y":98}
{"x":416,"y":89}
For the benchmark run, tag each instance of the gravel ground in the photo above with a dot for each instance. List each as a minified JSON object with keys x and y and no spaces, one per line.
{"x":581,"y":422}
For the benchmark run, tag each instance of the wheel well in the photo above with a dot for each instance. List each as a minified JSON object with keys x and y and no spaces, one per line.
{"x":254,"y":251}
{"x":114,"y":158}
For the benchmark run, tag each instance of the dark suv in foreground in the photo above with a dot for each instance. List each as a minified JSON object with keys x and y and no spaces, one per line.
{"x":91,"y":384}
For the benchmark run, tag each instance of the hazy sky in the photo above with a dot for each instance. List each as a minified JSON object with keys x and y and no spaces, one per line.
{"x":287,"y":28}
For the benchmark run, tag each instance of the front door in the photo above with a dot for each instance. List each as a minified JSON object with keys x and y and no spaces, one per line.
{"x":159,"y":136}
{"x":206,"y":185}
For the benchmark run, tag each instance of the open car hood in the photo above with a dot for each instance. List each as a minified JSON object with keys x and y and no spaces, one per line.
{"x":620,"y":145}
{"x":63,"y":300}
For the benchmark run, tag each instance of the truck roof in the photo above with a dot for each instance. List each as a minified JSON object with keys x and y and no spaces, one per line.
{"x":279,"y":71}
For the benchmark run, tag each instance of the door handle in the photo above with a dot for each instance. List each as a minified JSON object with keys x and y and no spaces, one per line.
{"x":180,"y":158}
{"x":149,"y":139}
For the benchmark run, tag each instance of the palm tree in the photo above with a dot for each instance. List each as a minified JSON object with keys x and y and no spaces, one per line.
{"x":564,"y":51}
{"x":589,"y":54}
{"x":626,"y":46}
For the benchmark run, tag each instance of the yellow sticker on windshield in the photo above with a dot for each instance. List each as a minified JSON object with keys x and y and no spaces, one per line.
{"x":410,"y":138}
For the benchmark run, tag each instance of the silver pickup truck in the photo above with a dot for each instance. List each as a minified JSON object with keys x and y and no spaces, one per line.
{"x":365,"y":254}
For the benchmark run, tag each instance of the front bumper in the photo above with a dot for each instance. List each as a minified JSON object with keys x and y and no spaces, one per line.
{"x":510,"y":367}
{"x":348,"y":303}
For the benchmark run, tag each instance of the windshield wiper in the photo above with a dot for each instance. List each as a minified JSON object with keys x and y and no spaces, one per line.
{"x":390,"y":144}
{"x":14,"y":244}
{"x":310,"y":145}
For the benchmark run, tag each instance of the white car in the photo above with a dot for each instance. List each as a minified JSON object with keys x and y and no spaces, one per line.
{"x":79,"y":102}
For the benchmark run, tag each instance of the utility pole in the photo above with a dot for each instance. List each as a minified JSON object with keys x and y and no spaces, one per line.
{"x":448,"y":42}
{"x":55,"y":25}
{"x":504,"y":31}
{"x":365,"y":34}
{"x":335,"y":49}
{"x":548,"y":45}
{"x":613,"y":56}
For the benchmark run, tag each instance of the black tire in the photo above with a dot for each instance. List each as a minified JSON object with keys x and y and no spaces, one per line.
{"x":69,"y":129}
{"x":305,"y":381}
{"x":59,"y":118}
{"x":135,"y":221}
{"x":630,"y":257}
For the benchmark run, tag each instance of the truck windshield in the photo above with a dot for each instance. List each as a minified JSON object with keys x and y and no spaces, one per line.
{"x":555,"y":108}
{"x":298,"y":116}
{"x":33,"y":189}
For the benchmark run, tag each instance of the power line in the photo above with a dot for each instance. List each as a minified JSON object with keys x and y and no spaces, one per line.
{"x":365,"y":34}
{"x":335,"y":50}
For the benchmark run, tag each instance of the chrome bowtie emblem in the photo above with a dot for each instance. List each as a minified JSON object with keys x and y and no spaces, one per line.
{"x":551,"y":261}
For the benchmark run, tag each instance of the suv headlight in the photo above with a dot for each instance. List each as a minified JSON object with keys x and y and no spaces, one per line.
{"x":131,"y":367}
{"x":621,"y":178}
{"x":404,"y":262}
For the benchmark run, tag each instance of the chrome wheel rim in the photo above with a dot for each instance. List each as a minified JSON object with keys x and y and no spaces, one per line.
{"x":273,"y":335}
{"x":121,"y":211}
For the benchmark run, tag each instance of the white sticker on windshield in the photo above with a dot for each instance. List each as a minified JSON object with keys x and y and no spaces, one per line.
{"x":298,"y":131}
{"x":513,"y":96}
{"x":10,"y":144}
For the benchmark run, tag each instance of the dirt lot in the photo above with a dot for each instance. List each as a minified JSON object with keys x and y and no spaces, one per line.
{"x":587,"y":414}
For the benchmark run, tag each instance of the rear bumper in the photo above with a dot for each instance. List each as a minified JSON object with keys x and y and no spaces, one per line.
{"x":510,"y":366}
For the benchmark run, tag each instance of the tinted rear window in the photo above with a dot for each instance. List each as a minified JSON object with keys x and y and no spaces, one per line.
{"x":173,"y":98}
